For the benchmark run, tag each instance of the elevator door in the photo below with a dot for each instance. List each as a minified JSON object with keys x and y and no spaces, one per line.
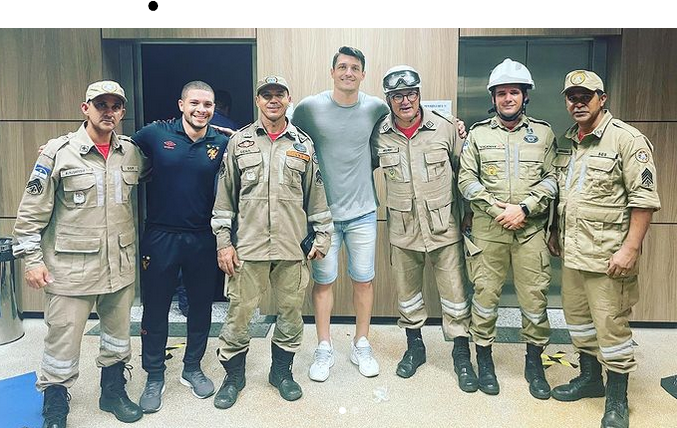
{"x":548,"y":60}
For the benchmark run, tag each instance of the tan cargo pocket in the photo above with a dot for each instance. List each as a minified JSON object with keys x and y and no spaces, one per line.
{"x":127,"y":251}
{"x":79,"y":191}
{"x":79,"y":256}
{"x":437,"y":164}
{"x":391,"y":164}
{"x":531,"y":165}
{"x":293,"y":170}
{"x":439,"y":213}
{"x":599,"y":233}
{"x":492,"y":166}
{"x":250,"y":171}
{"x":399,"y":215}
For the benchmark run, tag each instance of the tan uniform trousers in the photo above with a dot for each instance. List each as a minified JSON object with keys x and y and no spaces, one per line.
{"x":530,"y":262}
{"x":66,"y":317}
{"x":288,"y":280}
{"x":596,"y":309}
{"x":407,"y":267}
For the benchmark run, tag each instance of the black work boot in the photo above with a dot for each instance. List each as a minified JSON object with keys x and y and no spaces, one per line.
{"x":280,"y":374}
{"x":616,"y":407}
{"x":233,"y":383}
{"x":488,"y":382}
{"x":114,"y":398}
{"x":586,"y":385}
{"x":55,"y":406}
{"x":534,"y":373}
{"x":414,"y":356}
{"x":467,"y":379}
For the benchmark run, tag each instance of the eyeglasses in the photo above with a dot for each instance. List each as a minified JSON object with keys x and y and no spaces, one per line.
{"x":398,"y":98}
{"x":408,"y":77}
{"x":583,"y":98}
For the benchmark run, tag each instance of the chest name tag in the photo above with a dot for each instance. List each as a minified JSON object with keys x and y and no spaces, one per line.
{"x":298,"y":155}
{"x":75,"y":171}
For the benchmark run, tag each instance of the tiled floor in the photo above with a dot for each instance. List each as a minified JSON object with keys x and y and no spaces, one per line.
{"x":429,"y":399}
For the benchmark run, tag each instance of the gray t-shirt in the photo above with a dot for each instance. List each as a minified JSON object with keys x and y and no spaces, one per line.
{"x":341,"y":136}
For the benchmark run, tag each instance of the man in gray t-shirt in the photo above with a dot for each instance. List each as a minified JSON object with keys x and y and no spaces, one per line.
{"x":340,"y":122}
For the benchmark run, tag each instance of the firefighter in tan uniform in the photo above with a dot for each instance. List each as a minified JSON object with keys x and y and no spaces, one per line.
{"x":607,"y":185}
{"x":271,"y":184}
{"x":75,"y":231}
{"x":418,"y":150}
{"x":506,"y":174}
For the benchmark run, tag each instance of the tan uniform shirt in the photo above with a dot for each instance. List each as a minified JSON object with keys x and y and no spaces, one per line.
{"x":600,"y":179}
{"x":76,"y":215}
{"x":514,"y":166}
{"x":420,"y":177}
{"x":275,"y":190}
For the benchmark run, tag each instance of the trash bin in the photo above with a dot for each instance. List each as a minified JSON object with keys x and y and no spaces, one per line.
{"x":11,"y":328}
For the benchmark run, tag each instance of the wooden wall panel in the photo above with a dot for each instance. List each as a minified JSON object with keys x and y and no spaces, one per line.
{"x":662,"y":135}
{"x":648,"y":70}
{"x":179,"y":33}
{"x":658,"y":275}
{"x":536,"y":32}
{"x":45,"y":72}
{"x":20,"y":142}
{"x":303,"y":57}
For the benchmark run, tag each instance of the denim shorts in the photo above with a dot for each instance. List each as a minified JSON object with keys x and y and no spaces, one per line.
{"x":359,"y":235}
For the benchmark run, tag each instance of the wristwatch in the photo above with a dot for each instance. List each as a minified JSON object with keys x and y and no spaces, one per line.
{"x":525,"y":209}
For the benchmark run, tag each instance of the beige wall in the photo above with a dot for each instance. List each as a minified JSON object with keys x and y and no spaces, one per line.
{"x":44,"y":72}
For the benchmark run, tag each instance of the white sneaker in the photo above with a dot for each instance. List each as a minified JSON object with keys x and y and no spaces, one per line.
{"x":324,"y":360}
{"x":362,"y":355}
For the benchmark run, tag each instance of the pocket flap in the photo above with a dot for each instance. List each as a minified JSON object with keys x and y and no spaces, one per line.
{"x":399,"y":204}
{"x":78,"y":182}
{"x":606,"y":216}
{"x":601,"y":164}
{"x":389,"y":160}
{"x":532,"y":156}
{"x":296,"y":164}
{"x":77,"y":244}
{"x":437,"y":203}
{"x":126,"y":239}
{"x":436,"y":156}
{"x":492,"y":154}
{"x":249,"y":160}
{"x":130,"y":177}
{"x":561,"y":161}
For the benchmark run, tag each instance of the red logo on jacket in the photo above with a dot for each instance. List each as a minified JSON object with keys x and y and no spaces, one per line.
{"x":169,"y":145}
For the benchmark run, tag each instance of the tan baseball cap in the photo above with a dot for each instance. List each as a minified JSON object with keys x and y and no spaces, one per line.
{"x":583,"y":79}
{"x":105,"y":87}
{"x":270,"y":81}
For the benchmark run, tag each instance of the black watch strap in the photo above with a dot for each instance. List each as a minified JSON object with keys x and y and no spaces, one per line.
{"x":525,"y":209}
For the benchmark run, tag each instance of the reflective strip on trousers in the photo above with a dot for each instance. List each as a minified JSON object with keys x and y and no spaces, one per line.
{"x":535,"y":318}
{"x":482,"y":311}
{"x":412,"y":304}
{"x":609,"y":352}
{"x":113,"y":344}
{"x":456,"y":310}
{"x":584,"y":330}
{"x":58,"y":367}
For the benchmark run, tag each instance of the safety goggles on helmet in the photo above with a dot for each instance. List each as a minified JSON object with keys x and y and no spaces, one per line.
{"x":407,"y":77}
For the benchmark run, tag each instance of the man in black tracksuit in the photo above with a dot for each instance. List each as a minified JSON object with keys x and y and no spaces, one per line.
{"x":185,"y":155}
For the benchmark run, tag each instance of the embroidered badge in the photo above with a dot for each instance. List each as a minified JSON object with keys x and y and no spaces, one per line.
{"x":145,"y":262}
{"x":491,"y":170}
{"x":250,"y":175}
{"x":34,"y":187}
{"x":314,"y":158}
{"x":298,"y":155}
{"x":84,"y":148}
{"x":79,"y":198}
{"x":212,"y":151}
{"x":647,"y":178}
{"x":41,"y":172}
{"x":300,"y":147}
{"x":169,"y":145}
{"x":318,"y":178}
{"x":531,"y":138}
{"x":578,"y":78}
{"x":245,"y":143}
{"x":642,"y":156}
{"x":465,"y":145}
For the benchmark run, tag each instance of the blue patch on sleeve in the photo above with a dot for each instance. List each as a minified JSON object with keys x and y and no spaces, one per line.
{"x":41,"y":171}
